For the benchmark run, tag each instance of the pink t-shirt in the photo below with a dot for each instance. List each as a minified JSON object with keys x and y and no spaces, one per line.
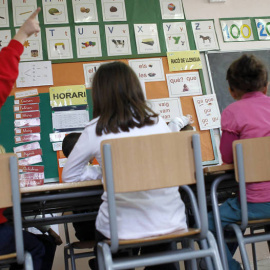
{"x":244,"y":119}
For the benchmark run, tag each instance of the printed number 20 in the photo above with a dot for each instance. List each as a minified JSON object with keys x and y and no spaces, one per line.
{"x":239,"y":31}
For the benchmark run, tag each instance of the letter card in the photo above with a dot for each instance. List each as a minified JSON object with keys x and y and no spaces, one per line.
{"x":55,"y":11}
{"x":85,"y":11}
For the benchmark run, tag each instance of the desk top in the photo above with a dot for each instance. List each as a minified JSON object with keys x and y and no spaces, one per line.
{"x":61,"y":186}
{"x":218,"y":169}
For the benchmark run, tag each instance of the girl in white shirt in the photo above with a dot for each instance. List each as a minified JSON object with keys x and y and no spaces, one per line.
{"x":120,"y":110}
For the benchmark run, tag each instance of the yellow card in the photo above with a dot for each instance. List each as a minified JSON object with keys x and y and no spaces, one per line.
{"x":68,"y":95}
{"x":184,"y":60}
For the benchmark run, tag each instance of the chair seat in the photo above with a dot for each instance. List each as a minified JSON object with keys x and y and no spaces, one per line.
{"x":8,"y":256}
{"x":172,"y":235}
{"x":83,"y":244}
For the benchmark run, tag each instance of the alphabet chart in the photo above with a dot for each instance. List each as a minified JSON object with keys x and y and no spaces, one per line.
{"x":4,"y":16}
{"x":88,"y":41}
{"x":113,"y":10}
{"x":207,"y":111}
{"x":117,"y":38}
{"x":85,"y":11}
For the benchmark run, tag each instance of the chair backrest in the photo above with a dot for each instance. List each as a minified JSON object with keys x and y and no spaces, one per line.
{"x":151,"y":162}
{"x":256,"y":159}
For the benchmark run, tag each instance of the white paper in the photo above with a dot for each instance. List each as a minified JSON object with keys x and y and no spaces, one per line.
{"x":147,"y":40}
{"x":167,"y":108}
{"x":205,"y":35}
{"x":149,"y":70}
{"x":4,"y":15}
{"x":171,"y":9}
{"x":55,"y":11}
{"x":89,"y":72}
{"x":70,"y":119}
{"x":62,"y":162}
{"x":85,"y":11}
{"x":35,"y":74}
{"x":26,"y":93}
{"x":113,"y":10}
{"x":207,"y":110}
{"x":118,"y":40}
{"x":5,"y":37}
{"x":184,"y":84}
{"x":88,"y":41}
{"x":176,"y":36}
{"x":25,"y":147}
{"x":57,"y":136}
{"x":57,"y":146}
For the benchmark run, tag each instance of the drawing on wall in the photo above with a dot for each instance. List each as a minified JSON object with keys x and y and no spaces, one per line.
{"x":147,"y":40}
{"x":205,"y":35}
{"x":171,"y":9}
{"x":22,"y":10}
{"x":88,"y":41}
{"x":5,"y":37}
{"x":59,"y":43}
{"x":113,"y":10}
{"x":4,"y":16}
{"x":85,"y":11}
{"x":176,"y":36}
{"x":118,"y":40}
{"x":55,"y":11}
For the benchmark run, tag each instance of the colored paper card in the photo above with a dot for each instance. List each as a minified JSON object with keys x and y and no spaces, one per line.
{"x":88,"y":41}
{"x":27,"y":130}
{"x":68,"y":95}
{"x":26,"y":115}
{"x":31,"y":169}
{"x":236,"y":30}
{"x":25,"y":147}
{"x":26,"y":107}
{"x":30,"y":182}
{"x":171,"y":9}
{"x":207,"y":111}
{"x":31,"y":176}
{"x":186,"y":60}
{"x":27,"y":122}
{"x":263,"y":29}
{"x":30,"y":160}
{"x":27,"y":138}
{"x":89,"y":72}
{"x":70,"y":119}
{"x":117,"y":38}
{"x":113,"y":10}
{"x":35,"y":74}
{"x":32,"y":48}
{"x":184,"y":84}
{"x":55,"y":11}
{"x":25,"y":93}
{"x":5,"y":37}
{"x":147,"y":40}
{"x":59,"y":43}
{"x":176,"y":36}
{"x":150,"y":69}
{"x":167,"y":108}
{"x":205,"y":35}
{"x":62,"y":162}
{"x":27,"y":100}
{"x":4,"y":16}
{"x":29,"y":153}
{"x":22,"y":10}
{"x":57,"y":146}
{"x":57,"y":137}
{"x":85,"y":11}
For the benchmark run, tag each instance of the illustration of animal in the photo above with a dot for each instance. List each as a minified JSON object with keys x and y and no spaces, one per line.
{"x":205,"y":38}
{"x":118,"y":42}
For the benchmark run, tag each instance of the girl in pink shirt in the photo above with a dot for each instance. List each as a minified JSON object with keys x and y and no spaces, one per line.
{"x":248,"y":117}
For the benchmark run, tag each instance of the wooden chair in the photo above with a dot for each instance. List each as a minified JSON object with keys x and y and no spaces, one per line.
{"x":10,"y":197}
{"x":252,"y":164}
{"x":151,"y":162}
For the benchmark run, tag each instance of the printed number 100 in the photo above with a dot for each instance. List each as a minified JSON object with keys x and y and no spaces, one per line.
{"x":236,"y":33}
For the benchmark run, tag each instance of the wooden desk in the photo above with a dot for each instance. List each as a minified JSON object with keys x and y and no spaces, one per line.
{"x":220,"y":169}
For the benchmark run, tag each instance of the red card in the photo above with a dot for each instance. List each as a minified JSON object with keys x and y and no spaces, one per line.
{"x":27,"y":100}
{"x":26,"y":115}
{"x":27,"y":107}
{"x":29,"y":153}
{"x":27,"y":130}
{"x":35,"y":169}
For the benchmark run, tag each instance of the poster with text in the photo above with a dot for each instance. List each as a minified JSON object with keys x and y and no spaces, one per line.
{"x":184,"y":84}
{"x":4,"y":16}
{"x":148,"y":70}
{"x":32,"y":48}
{"x":176,"y":36}
{"x":167,"y":108}
{"x":5,"y":37}
{"x":205,"y":35}
{"x":55,"y":11}
{"x":118,"y":40}
{"x":207,"y":111}
{"x":147,"y":39}
{"x":85,"y":11}
{"x":22,"y":10}
{"x":88,"y":41}
{"x":59,"y":43}
{"x":113,"y":10}
{"x":171,"y":9}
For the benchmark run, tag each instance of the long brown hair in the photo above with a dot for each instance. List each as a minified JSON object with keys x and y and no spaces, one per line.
{"x":118,"y":100}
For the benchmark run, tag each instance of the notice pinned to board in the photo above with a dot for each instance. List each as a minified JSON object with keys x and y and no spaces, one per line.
{"x":68,"y":95}
{"x":184,"y":60}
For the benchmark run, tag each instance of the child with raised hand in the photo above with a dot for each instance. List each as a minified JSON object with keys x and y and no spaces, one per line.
{"x":248,"y":117}
{"x":120,"y":110}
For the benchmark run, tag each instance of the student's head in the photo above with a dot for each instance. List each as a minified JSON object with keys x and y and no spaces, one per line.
{"x":69,"y":142}
{"x":247,"y":74}
{"x":118,"y":99}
